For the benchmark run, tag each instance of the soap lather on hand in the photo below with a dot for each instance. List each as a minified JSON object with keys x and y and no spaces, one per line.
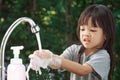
{"x":43,"y":59}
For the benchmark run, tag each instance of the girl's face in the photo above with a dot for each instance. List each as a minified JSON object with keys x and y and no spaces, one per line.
{"x":91,"y":37}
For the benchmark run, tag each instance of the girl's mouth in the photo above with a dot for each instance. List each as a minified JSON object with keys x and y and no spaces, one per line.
{"x":86,"y":40}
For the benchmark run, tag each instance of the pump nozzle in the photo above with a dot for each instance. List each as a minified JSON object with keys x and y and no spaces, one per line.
{"x":16,"y":50}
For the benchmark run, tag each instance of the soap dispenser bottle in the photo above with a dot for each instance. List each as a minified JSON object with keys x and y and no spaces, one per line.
{"x":16,"y":70}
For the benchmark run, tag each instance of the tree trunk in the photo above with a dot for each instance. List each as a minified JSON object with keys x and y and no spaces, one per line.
{"x":33,"y":5}
{"x":0,"y":5}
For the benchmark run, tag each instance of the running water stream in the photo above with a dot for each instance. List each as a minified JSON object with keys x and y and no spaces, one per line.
{"x":40,"y":48}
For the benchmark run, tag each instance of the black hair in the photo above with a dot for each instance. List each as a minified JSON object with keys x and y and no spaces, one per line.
{"x":102,"y":16}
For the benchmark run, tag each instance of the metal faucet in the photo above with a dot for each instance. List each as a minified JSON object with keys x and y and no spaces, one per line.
{"x":34,"y":29}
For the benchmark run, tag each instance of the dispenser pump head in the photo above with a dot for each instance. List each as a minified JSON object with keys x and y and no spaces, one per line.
{"x":16,"y":50}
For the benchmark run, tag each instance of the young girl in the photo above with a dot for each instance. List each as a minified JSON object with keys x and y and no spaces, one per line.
{"x":93,"y":59}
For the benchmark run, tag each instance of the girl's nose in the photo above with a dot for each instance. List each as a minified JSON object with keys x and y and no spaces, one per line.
{"x":87,"y":33}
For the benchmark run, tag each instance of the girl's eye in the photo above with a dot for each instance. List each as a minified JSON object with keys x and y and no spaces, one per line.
{"x":93,"y":30}
{"x":82,"y":29}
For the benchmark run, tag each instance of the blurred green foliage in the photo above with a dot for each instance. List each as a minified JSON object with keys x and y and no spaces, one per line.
{"x":57,"y":20}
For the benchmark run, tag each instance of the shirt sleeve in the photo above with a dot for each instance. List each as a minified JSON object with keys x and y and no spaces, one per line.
{"x":100,"y":62}
{"x":71,"y":52}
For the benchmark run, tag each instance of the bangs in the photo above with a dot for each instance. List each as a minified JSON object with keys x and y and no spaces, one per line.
{"x":85,"y":18}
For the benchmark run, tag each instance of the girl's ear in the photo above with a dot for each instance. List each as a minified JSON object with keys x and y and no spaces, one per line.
{"x":105,"y":37}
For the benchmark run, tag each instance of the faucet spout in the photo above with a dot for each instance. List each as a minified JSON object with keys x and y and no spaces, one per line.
{"x":34,"y":29}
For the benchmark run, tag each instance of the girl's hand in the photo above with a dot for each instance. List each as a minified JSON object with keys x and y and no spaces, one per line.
{"x":37,"y":62}
{"x":45,"y":58}
{"x":44,"y":54}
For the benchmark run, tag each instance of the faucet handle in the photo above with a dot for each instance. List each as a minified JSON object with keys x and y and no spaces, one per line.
{"x":35,"y":29}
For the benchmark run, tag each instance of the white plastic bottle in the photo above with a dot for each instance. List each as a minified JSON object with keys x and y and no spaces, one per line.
{"x":16,"y":70}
